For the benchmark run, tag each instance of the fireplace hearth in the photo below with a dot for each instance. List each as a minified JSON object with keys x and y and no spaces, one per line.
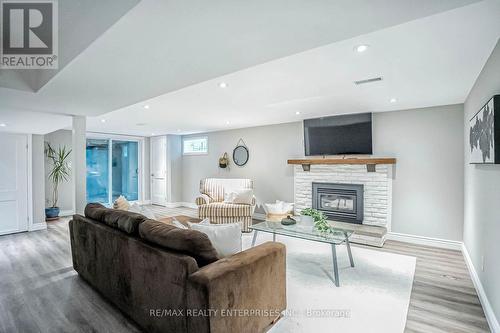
{"x":339,"y":202}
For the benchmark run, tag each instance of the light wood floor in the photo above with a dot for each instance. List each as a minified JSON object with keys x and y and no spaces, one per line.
{"x":40,"y":292}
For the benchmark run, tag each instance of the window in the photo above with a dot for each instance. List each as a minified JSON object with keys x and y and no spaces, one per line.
{"x":195,"y":145}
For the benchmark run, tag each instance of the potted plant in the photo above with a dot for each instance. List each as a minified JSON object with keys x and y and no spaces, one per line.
{"x":318,"y":219}
{"x":59,"y":173}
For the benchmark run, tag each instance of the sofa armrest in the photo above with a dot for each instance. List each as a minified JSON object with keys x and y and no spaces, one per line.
{"x":246,"y":292}
{"x":203,"y":199}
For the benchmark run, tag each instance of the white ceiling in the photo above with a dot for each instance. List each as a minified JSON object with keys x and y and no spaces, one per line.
{"x":166,"y":48}
{"x":75,"y":34}
{"x":426,"y":62}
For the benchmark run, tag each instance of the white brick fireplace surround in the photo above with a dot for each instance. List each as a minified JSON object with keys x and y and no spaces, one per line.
{"x":377,"y":190}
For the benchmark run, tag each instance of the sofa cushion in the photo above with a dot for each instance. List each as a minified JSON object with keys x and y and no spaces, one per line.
{"x":225,"y":209}
{"x":192,"y":242}
{"x":118,"y":219}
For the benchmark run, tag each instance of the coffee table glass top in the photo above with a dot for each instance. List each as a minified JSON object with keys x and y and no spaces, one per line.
{"x":298,"y":230}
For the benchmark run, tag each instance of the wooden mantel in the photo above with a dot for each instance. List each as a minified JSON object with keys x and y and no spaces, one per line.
{"x":370,"y":162}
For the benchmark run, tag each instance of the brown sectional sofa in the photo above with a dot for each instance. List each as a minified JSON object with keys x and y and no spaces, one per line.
{"x":169,"y":279}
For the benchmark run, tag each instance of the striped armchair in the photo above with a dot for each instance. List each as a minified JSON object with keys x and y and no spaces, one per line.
{"x":211,"y":202}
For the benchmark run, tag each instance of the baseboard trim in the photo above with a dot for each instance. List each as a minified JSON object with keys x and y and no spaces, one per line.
{"x":189,"y":205}
{"x":64,"y":213}
{"x":38,"y":226}
{"x":488,"y":310}
{"x":428,"y":241}
{"x":180,"y":204}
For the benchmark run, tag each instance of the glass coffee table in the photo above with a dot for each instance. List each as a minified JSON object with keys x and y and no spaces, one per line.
{"x":336,"y":237}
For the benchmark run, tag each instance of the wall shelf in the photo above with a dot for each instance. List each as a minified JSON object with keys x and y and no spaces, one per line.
{"x":370,"y":162}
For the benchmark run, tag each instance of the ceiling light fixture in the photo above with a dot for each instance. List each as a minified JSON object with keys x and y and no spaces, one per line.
{"x":178,"y":130}
{"x":297,"y":112}
{"x":3,"y":125}
{"x":223,"y":85}
{"x":393,"y":100}
{"x":152,"y":134}
{"x":103,"y":121}
{"x":361,"y":48}
{"x":146,"y":106}
{"x":227,"y":122}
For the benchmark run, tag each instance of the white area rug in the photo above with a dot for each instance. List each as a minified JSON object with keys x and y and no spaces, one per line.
{"x":372,"y":297}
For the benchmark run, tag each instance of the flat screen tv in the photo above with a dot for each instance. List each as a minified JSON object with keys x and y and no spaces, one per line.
{"x":338,"y":135}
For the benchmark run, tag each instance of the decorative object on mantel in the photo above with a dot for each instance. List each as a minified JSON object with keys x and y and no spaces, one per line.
{"x":59,"y":173}
{"x":288,"y":220}
{"x":484,"y":134}
{"x":224,"y":161}
{"x":370,"y":162}
{"x":240,"y":153}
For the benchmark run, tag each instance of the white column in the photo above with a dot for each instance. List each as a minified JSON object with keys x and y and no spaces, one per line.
{"x":79,"y":162}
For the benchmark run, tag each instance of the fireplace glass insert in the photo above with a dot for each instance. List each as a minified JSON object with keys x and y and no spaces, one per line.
{"x":340,"y":202}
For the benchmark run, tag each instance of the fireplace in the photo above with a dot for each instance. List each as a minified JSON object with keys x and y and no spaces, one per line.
{"x":340,"y":202}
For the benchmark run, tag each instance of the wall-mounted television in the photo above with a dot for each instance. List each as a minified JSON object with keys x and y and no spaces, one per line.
{"x":338,"y":135}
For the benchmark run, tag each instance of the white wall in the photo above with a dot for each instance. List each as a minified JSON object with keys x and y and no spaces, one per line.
{"x":427,"y":142}
{"x":38,"y":178}
{"x":482,"y":191}
{"x":66,"y":202}
{"x":427,"y":195}
{"x":174,"y":161}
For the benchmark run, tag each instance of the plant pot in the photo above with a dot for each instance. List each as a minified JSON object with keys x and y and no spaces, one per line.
{"x":52,"y":212}
{"x":306,"y":220}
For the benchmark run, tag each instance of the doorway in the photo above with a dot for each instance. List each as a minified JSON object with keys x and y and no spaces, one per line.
{"x":113,"y":169}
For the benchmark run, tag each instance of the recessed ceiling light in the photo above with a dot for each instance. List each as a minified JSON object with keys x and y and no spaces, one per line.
{"x":152,"y":134}
{"x":393,"y":100}
{"x":103,"y":120}
{"x":146,"y":106}
{"x":178,"y":130}
{"x":297,"y":112}
{"x":3,"y":125}
{"x":361,"y":48}
{"x":223,"y":85}
{"x":227,"y":122}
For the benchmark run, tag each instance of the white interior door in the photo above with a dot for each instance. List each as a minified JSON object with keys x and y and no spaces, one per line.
{"x":13,"y":183}
{"x":159,"y":170}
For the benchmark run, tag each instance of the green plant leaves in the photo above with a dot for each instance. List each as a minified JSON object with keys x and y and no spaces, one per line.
{"x":320,"y":221}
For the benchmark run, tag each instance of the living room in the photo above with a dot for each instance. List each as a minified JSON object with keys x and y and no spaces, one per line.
{"x":249,"y":173}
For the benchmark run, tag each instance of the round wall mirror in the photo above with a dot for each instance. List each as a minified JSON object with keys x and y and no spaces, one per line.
{"x":240,"y":155}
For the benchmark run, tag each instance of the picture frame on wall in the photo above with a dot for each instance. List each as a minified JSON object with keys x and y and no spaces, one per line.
{"x":484,"y":134}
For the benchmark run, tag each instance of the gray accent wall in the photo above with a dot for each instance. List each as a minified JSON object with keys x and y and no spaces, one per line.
{"x":482,"y":192}
{"x":269,"y":146}
{"x":428,"y":184}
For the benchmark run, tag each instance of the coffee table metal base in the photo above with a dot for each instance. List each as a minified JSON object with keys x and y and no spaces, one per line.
{"x":334,"y":254}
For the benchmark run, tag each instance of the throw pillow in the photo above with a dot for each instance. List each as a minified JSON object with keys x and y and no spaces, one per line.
{"x":225,"y":238}
{"x":178,"y":224}
{"x":136,"y":208}
{"x":121,"y":203}
{"x":243,"y":196}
